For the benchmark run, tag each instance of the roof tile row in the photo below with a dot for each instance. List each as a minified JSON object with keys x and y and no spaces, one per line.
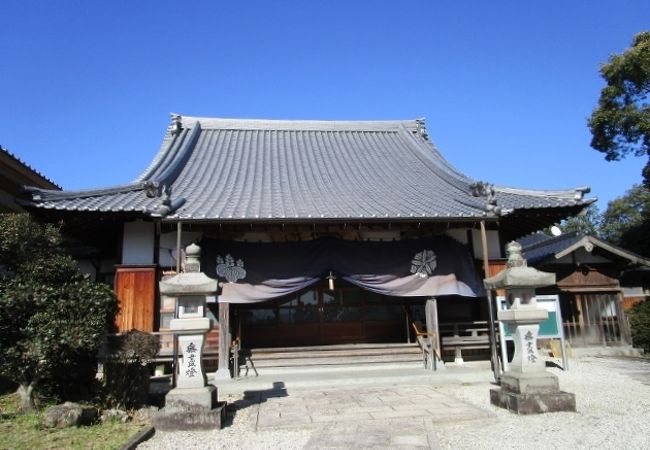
{"x":297,"y":170}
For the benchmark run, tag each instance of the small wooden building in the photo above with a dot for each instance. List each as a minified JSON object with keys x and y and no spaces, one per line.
{"x":320,"y":232}
{"x":594,"y":283}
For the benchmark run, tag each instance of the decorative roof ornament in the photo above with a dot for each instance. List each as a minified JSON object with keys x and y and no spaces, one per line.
{"x":422,"y":128}
{"x":177,"y":124}
{"x":152,"y":188}
{"x":165,"y":205}
{"x":483,"y":189}
{"x":580,"y":192}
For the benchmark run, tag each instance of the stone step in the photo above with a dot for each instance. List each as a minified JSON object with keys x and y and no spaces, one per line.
{"x":352,"y":369}
{"x":388,"y":345}
{"x":352,"y":360}
{"x":338,"y":355}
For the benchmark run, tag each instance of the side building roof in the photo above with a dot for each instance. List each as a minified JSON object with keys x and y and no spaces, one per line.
{"x":541,"y":249}
{"x":14,"y":175}
{"x":270,"y":170}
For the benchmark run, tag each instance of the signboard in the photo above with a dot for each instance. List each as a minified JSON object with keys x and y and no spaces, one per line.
{"x":551,"y":328}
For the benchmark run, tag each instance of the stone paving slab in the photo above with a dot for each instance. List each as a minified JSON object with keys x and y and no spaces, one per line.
{"x":359,"y":416}
{"x":376,"y":434}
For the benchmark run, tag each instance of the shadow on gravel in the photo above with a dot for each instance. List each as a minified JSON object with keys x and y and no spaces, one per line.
{"x":252,"y":398}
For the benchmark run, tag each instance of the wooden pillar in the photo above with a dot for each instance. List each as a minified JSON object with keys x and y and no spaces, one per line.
{"x":623,"y":324}
{"x":491,"y":314}
{"x":179,"y":232}
{"x":223,"y":372}
{"x":431,"y":314}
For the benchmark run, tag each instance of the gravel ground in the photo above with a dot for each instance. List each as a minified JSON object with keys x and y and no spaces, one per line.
{"x":613,"y":411}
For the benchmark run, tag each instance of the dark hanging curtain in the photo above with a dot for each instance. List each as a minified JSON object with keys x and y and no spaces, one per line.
{"x":254,"y":272}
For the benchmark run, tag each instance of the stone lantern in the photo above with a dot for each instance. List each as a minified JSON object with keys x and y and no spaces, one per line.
{"x":192,"y":404}
{"x":526,"y":388}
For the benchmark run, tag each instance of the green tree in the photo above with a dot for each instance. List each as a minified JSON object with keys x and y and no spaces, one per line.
{"x":639,"y":318}
{"x":620,"y":125}
{"x":587,"y":222}
{"x":52,"y":319}
{"x":626,"y":221}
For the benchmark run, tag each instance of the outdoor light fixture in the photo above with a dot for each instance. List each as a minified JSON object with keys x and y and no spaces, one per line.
{"x":330,"y":281}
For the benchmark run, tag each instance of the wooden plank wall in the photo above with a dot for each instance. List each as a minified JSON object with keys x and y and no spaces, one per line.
{"x":135,"y":288}
{"x":494,"y":267}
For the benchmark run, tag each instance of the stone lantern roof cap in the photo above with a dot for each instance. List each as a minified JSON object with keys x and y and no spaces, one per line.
{"x":518,"y":274}
{"x":189,"y":283}
{"x":192,"y":281}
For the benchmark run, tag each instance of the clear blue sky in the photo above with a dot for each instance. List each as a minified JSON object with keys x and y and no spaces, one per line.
{"x":506,"y":86}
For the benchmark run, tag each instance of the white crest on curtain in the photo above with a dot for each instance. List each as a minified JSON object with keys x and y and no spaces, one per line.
{"x":230,"y":269}
{"x":424,"y":263}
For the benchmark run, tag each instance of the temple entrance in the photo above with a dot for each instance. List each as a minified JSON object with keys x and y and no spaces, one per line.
{"x":319,"y":316}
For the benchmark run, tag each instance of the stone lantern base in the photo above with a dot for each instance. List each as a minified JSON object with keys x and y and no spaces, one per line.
{"x":191,"y":409}
{"x":532,"y":393}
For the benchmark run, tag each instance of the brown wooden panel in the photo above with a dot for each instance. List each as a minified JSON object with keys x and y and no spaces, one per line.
{"x":280,"y":335}
{"x":343,"y":332}
{"x":588,"y":279}
{"x":385,"y":331}
{"x":212,"y":337}
{"x":135,"y":288}
{"x":494,"y":267}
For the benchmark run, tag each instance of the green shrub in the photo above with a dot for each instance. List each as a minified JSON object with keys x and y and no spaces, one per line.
{"x":126,"y":375}
{"x":52,"y":319}
{"x":640,"y":325}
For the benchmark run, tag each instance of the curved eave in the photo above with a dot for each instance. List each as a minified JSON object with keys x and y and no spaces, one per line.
{"x":520,"y":199}
{"x":523,"y":221}
{"x":124,"y":199}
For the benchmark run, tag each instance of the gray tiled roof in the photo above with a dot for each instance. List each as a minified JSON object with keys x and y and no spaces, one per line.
{"x":539,"y":248}
{"x":264,"y":170}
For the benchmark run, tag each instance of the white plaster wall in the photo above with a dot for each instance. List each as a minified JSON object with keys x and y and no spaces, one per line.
{"x":633,"y":291}
{"x":494,"y":246}
{"x":138,"y":243}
